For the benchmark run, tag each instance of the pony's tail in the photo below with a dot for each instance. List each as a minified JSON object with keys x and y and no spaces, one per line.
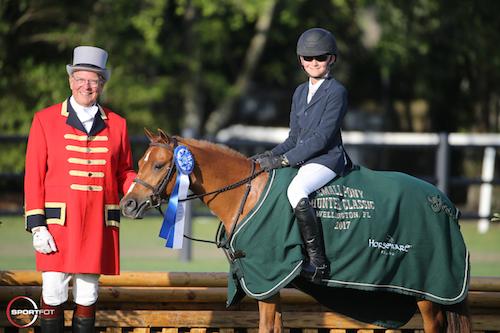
{"x":458,"y":318}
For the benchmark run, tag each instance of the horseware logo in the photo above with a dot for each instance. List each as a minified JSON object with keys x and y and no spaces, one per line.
{"x":22,"y":311}
{"x":389,"y":246}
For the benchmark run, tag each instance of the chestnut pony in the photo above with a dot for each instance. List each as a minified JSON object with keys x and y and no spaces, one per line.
{"x":230,"y":185}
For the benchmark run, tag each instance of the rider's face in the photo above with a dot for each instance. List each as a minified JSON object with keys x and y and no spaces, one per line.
{"x":317,"y":67}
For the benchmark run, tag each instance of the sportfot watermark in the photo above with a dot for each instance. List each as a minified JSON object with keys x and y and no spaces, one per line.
{"x":23,"y":312}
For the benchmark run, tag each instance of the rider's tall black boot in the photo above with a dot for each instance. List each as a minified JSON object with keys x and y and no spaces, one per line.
{"x":317,"y":266}
{"x":84,"y":319}
{"x":52,"y":318}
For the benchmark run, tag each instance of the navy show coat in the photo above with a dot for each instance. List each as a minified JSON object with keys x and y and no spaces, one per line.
{"x":315,"y":135}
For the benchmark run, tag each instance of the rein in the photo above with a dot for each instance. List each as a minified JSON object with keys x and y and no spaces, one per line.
{"x":156,"y":199}
{"x":228,"y":187}
{"x":218,"y":235}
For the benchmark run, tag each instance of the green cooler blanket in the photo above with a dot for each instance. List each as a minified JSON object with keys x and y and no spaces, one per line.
{"x":389,"y":237}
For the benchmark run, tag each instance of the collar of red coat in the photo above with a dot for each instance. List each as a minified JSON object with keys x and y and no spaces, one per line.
{"x":73,"y":121}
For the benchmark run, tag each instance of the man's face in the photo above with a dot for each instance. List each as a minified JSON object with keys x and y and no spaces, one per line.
{"x":86,"y":87}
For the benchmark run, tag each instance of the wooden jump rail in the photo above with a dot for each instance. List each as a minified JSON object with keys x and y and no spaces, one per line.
{"x":195,"y":302}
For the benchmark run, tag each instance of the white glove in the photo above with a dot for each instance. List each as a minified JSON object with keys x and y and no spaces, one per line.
{"x":43,"y":241}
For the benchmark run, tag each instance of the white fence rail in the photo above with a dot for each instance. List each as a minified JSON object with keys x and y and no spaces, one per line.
{"x":442,"y":142}
{"x":278,"y":134}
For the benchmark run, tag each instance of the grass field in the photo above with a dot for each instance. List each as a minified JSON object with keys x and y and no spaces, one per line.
{"x":142,"y":250}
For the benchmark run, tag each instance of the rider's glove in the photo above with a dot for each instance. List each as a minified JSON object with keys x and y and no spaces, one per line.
{"x":43,"y":241}
{"x":256,"y":157}
{"x":269,"y":163}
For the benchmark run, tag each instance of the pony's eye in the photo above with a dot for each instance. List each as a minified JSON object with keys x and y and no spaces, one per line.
{"x":158,"y":166}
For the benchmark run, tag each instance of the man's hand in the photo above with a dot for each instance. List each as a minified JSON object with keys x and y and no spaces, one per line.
{"x":256,"y":157}
{"x":269,"y":163}
{"x":43,"y":241}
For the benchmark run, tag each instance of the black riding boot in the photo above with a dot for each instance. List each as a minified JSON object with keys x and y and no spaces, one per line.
{"x":316,"y":268}
{"x":52,"y":318}
{"x":84,"y":319}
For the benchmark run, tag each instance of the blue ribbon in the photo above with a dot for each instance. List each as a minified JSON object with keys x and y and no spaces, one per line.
{"x":168,"y":225}
{"x":172,"y":228}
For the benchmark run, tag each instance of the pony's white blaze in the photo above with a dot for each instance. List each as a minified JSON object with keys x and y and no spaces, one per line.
{"x":146,"y":157}
{"x":131,"y":188}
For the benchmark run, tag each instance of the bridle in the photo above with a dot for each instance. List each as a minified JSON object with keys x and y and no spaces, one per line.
{"x":155,"y":199}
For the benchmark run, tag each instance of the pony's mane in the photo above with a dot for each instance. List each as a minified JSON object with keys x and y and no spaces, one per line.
{"x":203,"y":144}
{"x":214,"y":146}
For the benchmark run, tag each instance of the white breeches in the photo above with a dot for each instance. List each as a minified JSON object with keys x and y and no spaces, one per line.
{"x":309,"y":178}
{"x":55,"y":288}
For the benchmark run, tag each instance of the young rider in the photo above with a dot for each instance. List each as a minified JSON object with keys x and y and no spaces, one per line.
{"x":314,"y":143}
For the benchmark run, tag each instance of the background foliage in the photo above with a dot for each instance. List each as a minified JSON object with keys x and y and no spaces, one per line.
{"x":199,"y":65}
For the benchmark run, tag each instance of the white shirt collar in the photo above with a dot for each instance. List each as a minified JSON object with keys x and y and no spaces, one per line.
{"x":313,"y":88}
{"x":85,"y":114}
{"x":316,"y":85}
{"x":85,"y":111}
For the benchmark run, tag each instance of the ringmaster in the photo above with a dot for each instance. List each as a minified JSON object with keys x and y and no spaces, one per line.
{"x":78,"y":160}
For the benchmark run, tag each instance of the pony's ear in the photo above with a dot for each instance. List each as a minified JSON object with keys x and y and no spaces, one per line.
{"x":164,"y":136}
{"x":149,"y":134}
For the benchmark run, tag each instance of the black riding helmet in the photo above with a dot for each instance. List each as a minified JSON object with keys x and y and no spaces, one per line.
{"x":315,"y":42}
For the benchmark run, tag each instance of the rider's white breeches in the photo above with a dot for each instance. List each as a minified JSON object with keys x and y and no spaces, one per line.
{"x":309,"y":178}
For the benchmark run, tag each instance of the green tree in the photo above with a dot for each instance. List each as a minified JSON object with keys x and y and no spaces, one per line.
{"x":188,"y":63}
{"x":445,"y":53}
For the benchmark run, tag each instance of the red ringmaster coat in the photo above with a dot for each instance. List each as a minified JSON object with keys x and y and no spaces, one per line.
{"x":72,"y":185}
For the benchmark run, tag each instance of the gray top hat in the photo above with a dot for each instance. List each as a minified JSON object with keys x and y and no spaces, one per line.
{"x":89,"y":58}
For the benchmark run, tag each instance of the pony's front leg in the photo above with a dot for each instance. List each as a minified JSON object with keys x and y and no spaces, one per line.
{"x":270,"y":319}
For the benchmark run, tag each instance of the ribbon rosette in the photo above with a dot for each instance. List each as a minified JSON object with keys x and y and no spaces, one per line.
{"x":172,"y":228}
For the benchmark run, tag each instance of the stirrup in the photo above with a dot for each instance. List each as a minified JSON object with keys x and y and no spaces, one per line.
{"x":313,"y":273}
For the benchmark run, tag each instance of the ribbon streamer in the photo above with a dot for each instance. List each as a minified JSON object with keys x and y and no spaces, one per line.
{"x":172,"y":228}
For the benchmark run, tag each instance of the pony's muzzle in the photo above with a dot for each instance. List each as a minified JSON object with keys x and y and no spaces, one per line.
{"x":129,"y":207}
